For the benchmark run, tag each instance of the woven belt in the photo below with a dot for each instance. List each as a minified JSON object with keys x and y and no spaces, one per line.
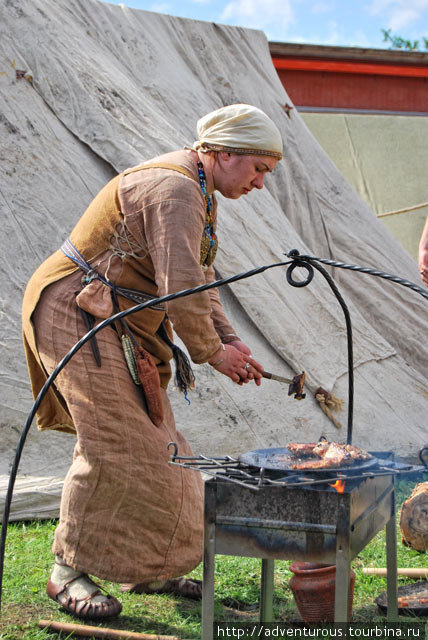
{"x":184,"y":377}
{"x":135,"y":295}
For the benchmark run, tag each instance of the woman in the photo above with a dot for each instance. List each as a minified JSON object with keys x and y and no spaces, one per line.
{"x":126,"y":514}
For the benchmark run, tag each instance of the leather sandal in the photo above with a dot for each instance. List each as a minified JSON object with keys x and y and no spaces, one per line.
{"x":84,"y":608}
{"x":183,"y":587}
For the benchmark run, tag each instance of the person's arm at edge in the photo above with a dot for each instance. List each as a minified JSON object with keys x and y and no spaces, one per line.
{"x":423,"y":254}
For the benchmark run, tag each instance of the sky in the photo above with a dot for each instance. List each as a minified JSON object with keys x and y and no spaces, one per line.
{"x":348,"y":23}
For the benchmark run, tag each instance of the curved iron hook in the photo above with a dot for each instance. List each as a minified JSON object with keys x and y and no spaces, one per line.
{"x":422,"y":456}
{"x":174,"y":446}
{"x":309,"y":261}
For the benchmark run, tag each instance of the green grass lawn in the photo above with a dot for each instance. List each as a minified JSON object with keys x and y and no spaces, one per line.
{"x":28,"y":563}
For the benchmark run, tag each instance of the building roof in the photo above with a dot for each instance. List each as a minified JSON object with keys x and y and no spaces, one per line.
{"x":353,"y":78}
{"x":348,"y":53}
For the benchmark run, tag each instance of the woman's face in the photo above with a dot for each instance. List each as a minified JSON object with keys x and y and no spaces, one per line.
{"x":235,"y":175}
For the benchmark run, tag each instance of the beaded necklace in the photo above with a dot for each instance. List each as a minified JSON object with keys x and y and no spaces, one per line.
{"x":209,"y":242}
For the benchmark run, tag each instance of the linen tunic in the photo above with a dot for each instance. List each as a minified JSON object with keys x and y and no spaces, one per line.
{"x":127,"y":515}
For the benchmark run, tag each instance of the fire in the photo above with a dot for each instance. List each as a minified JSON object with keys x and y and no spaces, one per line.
{"x":339,"y":485}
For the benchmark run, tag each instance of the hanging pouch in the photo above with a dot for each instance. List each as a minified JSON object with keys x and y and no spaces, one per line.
{"x":145,"y":374}
{"x":142,"y":368}
{"x":148,"y":376}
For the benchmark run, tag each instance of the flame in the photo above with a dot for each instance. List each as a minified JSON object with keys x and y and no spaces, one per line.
{"x":339,"y":485}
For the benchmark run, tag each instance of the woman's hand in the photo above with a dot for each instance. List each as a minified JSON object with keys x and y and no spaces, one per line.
{"x":235,"y":361}
{"x":241,"y":346}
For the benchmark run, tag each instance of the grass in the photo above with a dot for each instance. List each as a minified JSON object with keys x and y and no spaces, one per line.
{"x":28,"y":563}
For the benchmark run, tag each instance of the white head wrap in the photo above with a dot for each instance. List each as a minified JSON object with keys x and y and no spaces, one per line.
{"x":239,"y":128}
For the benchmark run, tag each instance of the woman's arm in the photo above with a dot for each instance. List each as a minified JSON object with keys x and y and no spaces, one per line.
{"x":423,"y":255}
{"x":227,"y":333}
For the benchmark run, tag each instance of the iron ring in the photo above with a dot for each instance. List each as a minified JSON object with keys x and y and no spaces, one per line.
{"x":298,"y":283}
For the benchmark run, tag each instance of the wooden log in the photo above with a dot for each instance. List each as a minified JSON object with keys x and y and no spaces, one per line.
{"x":408,"y":572}
{"x":99,"y":632}
{"x":414,"y":518}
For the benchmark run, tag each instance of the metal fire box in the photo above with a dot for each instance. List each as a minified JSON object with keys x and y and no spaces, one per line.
{"x":311,"y":524}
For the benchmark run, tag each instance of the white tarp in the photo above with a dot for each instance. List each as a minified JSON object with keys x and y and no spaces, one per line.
{"x":107,"y":87}
{"x":385,"y":158}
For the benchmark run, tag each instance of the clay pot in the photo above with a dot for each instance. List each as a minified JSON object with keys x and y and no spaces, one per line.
{"x":313,"y":586}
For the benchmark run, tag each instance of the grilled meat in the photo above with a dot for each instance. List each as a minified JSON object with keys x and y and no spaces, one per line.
{"x":336,"y":455}
{"x":314,"y":464}
{"x":330,"y":455}
{"x":302,"y":449}
{"x":325,"y":455}
{"x":358,"y":454}
{"x":322,"y":448}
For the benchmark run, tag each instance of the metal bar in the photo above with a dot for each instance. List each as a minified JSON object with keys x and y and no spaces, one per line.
{"x":216,"y":461}
{"x":308,"y":261}
{"x":205,"y":458}
{"x":254,"y":483}
{"x":275,"y":524}
{"x":217,"y":475}
{"x":391,"y":564}
{"x":343,"y":564}
{"x":228,"y":466}
{"x":266,"y":590}
{"x":209,"y":562}
{"x":347,"y":478}
{"x":373,"y":507}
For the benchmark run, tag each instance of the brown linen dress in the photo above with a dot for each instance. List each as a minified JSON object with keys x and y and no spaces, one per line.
{"x":126,"y":514}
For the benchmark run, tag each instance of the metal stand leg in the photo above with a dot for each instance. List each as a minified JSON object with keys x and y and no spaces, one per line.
{"x":266,"y":590}
{"x":391,"y":564}
{"x":343,"y":566}
{"x":209,"y":566}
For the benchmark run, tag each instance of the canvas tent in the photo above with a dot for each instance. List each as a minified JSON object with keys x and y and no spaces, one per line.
{"x":88,"y":89}
{"x":385,"y":158}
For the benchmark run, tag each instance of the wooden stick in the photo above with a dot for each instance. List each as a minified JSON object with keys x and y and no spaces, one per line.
{"x":405,"y":571}
{"x":99,"y":632}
